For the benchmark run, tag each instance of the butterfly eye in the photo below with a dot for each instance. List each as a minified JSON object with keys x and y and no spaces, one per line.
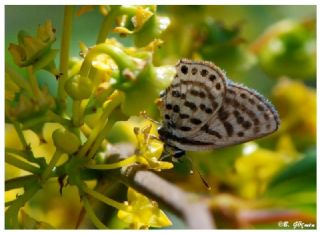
{"x":162,"y":93}
{"x":162,"y":132}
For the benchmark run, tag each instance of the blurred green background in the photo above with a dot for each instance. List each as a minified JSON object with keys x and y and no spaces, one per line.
{"x":252,"y":21}
{"x":268,"y":48}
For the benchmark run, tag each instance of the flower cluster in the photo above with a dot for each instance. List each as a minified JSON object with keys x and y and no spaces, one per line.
{"x":108,"y":80}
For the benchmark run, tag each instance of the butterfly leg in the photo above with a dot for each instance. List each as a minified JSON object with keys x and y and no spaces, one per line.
{"x":145,"y":115}
{"x":177,"y":155}
{"x":172,"y":152}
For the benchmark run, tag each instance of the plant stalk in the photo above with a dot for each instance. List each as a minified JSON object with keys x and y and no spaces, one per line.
{"x":12,"y":160}
{"x":93,"y":217}
{"x":64,"y":56}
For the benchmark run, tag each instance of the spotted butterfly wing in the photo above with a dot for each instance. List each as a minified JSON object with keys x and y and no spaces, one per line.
{"x":245,"y":115}
{"x":195,"y":94}
{"x":241,"y":114}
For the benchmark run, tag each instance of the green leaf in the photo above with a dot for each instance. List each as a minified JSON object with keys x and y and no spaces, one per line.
{"x":295,"y":186}
{"x":302,"y":173}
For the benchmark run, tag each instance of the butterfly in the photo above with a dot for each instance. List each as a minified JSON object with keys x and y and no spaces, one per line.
{"x":202,"y":110}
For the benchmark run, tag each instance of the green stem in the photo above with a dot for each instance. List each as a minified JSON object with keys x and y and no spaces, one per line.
{"x":122,"y":59}
{"x":9,"y":203}
{"x":48,"y":171}
{"x":20,"y":134}
{"x":12,"y":160}
{"x":34,"y":121}
{"x":57,"y":118}
{"x":97,"y":142}
{"x":104,"y":199}
{"x":50,"y":116}
{"x":12,"y":212}
{"x":34,"y":84}
{"x":87,"y":63}
{"x":107,"y":24}
{"x":19,"y":182}
{"x":126,"y":162}
{"x":76,"y":113}
{"x":85,"y":148}
{"x":93,"y":217}
{"x":64,"y":56}
{"x":114,"y":100}
{"x":127,"y":10}
{"x":21,"y":153}
{"x":25,"y":154}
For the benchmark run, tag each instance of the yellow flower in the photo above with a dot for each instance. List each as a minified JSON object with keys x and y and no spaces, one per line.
{"x":153,"y":45}
{"x":29,"y":222}
{"x":40,"y":147}
{"x":74,"y":66}
{"x":30,"y":49}
{"x":104,"y":10}
{"x":84,"y":9}
{"x":286,"y":146}
{"x":149,"y":151}
{"x":255,"y":169}
{"x":142,"y":212}
{"x":12,"y":141}
{"x":141,"y":17}
{"x":122,"y":31}
{"x":142,"y":133}
{"x":106,"y":68}
{"x":297,"y":108}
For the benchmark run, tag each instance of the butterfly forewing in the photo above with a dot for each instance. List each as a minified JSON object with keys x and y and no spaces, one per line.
{"x":194,"y":96}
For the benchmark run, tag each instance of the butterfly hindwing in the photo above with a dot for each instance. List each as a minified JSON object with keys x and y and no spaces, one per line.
{"x":244,"y":116}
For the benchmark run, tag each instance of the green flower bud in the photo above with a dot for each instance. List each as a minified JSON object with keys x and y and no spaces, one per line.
{"x":65,"y":141}
{"x":290,"y":51}
{"x":122,"y":131}
{"x":79,"y":87}
{"x":224,"y":46}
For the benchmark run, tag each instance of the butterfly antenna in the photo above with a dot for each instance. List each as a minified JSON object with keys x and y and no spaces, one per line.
{"x":177,"y":154}
{"x":204,"y":181}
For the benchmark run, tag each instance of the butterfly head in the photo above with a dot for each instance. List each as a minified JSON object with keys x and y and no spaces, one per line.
{"x":163,"y":133}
